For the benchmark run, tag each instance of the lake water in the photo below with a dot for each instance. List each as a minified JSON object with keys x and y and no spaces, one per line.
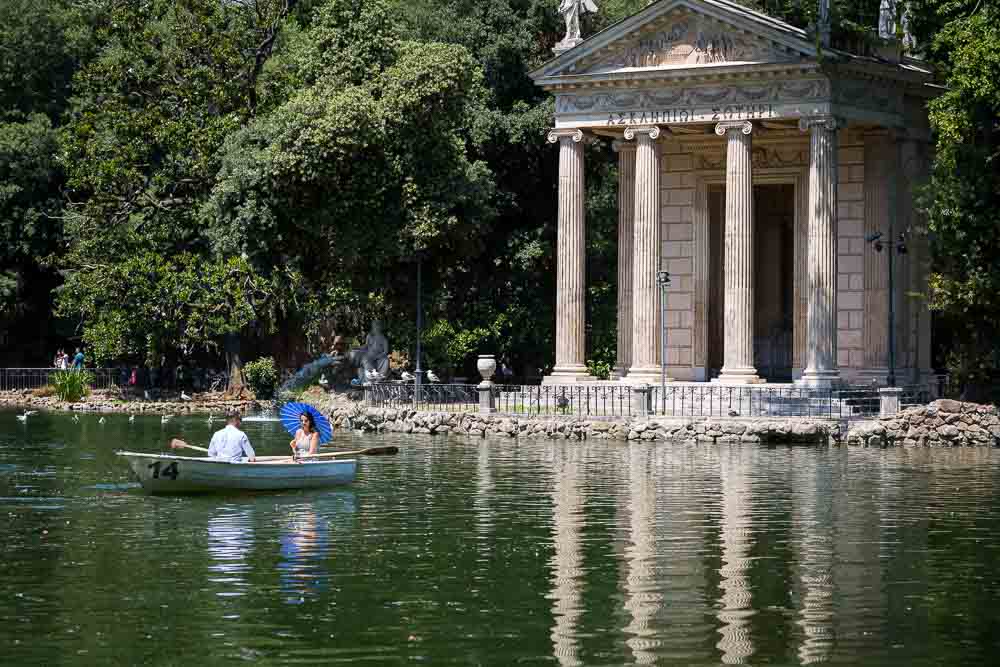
{"x":499,"y":553}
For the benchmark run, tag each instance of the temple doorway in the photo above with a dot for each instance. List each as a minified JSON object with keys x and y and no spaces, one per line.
{"x":774,"y":272}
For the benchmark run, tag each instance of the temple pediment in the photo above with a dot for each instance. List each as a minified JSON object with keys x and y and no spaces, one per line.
{"x":684,"y":34}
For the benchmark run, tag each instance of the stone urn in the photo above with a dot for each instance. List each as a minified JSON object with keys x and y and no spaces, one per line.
{"x":487,"y":366}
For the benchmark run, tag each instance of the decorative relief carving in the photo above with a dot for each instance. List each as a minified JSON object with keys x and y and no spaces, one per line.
{"x":761,"y":157}
{"x":687,"y":40}
{"x":781,"y":91}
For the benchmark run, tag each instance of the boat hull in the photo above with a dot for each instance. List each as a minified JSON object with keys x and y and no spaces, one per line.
{"x":163,"y":473}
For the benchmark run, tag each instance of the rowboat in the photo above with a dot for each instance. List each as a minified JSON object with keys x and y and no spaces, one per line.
{"x":166,"y":473}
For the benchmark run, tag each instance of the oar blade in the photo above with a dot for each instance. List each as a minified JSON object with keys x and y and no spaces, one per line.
{"x":380,"y":451}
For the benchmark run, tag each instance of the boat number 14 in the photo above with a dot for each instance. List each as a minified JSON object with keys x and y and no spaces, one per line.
{"x":170,"y":471}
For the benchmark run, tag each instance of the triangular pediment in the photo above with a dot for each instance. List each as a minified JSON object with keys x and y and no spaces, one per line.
{"x":682,"y":34}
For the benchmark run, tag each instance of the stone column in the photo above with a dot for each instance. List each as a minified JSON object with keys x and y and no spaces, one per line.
{"x":821,"y":311}
{"x":570,"y":261}
{"x":880,"y":171}
{"x":738,"y":365}
{"x":646,"y":259}
{"x":626,"y":224}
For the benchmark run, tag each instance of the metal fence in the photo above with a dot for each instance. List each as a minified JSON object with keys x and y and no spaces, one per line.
{"x":427,"y":397}
{"x":19,"y":379}
{"x":674,"y":400}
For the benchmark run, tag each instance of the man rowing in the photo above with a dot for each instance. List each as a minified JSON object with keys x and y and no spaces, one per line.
{"x":230,"y":443}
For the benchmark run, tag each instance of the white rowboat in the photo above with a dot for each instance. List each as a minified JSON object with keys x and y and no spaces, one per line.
{"x":166,"y":473}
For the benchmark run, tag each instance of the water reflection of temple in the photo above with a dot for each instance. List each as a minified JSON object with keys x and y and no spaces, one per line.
{"x":567,"y":580}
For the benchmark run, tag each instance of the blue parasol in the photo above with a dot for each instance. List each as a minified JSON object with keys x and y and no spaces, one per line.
{"x":290,"y":413}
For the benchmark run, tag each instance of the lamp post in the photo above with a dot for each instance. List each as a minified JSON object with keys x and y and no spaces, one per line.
{"x":663,"y":280}
{"x":894,"y":247}
{"x":418,"y":372}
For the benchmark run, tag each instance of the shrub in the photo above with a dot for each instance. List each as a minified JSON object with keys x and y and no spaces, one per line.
{"x":44,"y":392}
{"x":72,"y":385}
{"x":262,"y":376}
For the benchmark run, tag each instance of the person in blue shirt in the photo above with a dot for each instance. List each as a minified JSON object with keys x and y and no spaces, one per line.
{"x":78,"y":358}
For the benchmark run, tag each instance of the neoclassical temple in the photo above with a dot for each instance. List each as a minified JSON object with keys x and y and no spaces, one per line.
{"x":754,"y":166}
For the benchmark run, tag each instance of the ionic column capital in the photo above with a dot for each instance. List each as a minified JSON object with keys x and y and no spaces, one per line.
{"x":620,"y":146}
{"x":744,"y":126}
{"x":827,"y":122}
{"x":574,"y":133}
{"x":652,"y":130}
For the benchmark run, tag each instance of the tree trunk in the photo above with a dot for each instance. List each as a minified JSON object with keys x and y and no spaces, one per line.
{"x":234,"y":364}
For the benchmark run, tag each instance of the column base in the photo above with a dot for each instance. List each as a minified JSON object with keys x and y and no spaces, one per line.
{"x":568,"y":375}
{"x":739,"y":376}
{"x":813,"y":379}
{"x":644,"y":376}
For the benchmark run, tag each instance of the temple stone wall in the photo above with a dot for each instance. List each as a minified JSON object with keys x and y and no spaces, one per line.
{"x":678,"y":191}
{"x":677,"y":199}
{"x":850,"y":255}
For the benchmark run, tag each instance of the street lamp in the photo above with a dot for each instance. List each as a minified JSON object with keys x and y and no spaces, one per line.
{"x":899,"y":245}
{"x":418,"y":372}
{"x":663,"y":280}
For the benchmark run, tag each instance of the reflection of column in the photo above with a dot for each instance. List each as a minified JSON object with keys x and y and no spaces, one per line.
{"x":815,"y":522}
{"x":570,"y":260}
{"x":821,"y":311}
{"x":626,"y":222}
{"x":484,"y":492}
{"x":880,"y":170}
{"x":642,"y":600}
{"x":646,"y":262}
{"x":738,"y":365}
{"x":568,"y":521}
{"x":736,"y":644}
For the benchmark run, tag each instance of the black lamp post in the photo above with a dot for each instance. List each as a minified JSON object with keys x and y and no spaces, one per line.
{"x":418,"y":372}
{"x":663,"y":280}
{"x":899,"y":246}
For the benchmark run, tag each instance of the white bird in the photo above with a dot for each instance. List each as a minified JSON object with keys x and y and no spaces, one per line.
{"x":28,"y":413}
{"x":22,"y":418}
{"x":185,"y":397}
{"x":407,"y":376}
{"x":131,"y":419}
{"x":101,"y":420}
{"x":432,"y":376}
{"x":76,"y":419}
{"x":165,"y":418}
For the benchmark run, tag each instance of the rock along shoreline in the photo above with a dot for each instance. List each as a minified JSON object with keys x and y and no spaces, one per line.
{"x":106,"y":402}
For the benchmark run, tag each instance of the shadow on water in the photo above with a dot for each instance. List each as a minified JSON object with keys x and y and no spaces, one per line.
{"x":499,"y":553}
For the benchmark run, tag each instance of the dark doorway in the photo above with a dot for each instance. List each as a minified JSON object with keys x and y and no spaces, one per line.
{"x":774,"y":273}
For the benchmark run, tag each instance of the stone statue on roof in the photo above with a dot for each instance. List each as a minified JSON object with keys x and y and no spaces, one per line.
{"x":571,"y":11}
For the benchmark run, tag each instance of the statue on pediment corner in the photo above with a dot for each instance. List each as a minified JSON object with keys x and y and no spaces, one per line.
{"x":571,"y":11}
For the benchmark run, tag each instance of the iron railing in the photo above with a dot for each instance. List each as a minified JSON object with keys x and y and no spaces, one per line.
{"x":20,"y":379}
{"x":426,"y":397}
{"x":675,"y":400}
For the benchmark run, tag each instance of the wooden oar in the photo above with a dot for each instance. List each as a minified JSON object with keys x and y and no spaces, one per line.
{"x":180,"y":444}
{"x":371,"y":451}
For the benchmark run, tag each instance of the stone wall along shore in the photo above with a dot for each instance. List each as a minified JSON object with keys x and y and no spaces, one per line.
{"x":377,"y":420}
{"x":943,"y":423}
{"x":108,"y":402}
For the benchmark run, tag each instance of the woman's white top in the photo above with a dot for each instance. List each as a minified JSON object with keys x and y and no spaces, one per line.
{"x":302,"y":442}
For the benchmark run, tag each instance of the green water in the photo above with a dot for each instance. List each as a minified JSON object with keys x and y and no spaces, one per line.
{"x":499,"y":553}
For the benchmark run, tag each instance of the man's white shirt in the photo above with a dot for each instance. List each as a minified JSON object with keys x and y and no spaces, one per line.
{"x":230,"y":444}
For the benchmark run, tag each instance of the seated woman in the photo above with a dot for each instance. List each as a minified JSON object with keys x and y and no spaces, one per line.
{"x":306,"y":442}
